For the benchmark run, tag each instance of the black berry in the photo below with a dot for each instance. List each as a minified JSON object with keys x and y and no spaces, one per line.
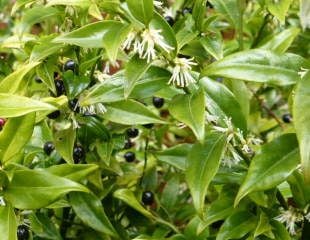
{"x":147,"y":198}
{"x":74,"y":105}
{"x":132,"y":132}
{"x":60,"y":88}
{"x":70,"y":65}
{"x":186,"y":10}
{"x":128,"y":144}
{"x":78,"y":154}
{"x":38,"y":79}
{"x":158,"y":102}
{"x":54,"y":115}
{"x":48,"y":147}
{"x":22,"y":232}
{"x":148,"y":126}
{"x":287,"y":118}
{"x":130,"y":156}
{"x":169,"y":20}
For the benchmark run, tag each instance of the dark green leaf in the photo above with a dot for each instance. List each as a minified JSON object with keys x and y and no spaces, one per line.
{"x":142,"y":10}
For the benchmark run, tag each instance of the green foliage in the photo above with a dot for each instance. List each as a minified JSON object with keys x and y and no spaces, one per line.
{"x":225,"y":155}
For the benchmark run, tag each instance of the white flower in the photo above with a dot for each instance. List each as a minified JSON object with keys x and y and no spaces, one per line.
{"x":228,"y":130}
{"x":308,"y":216}
{"x":2,"y":202}
{"x":131,"y":38}
{"x":150,"y":37}
{"x":290,"y":217}
{"x":97,"y":108}
{"x":234,"y":159}
{"x":181,"y":73}
{"x":211,"y":118}
{"x":158,"y":4}
{"x":302,"y":72}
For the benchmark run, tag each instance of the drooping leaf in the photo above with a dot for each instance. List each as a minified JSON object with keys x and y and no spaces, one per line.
{"x":130,"y":112}
{"x":33,"y":189}
{"x":8,"y":223}
{"x":237,"y":225}
{"x":258,"y":66}
{"x":276,"y":161}
{"x":301,"y":122}
{"x":227,"y":102}
{"x":90,"y":210}
{"x":190,"y":109}
{"x":15,"y":105}
{"x":203,"y":162}
{"x":212,"y":43}
{"x":15,"y":136}
{"x":279,"y":9}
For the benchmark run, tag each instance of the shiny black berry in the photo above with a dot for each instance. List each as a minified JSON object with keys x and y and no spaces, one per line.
{"x":22,"y":232}
{"x":78,"y":154}
{"x":287,"y":118}
{"x":186,"y":10}
{"x":54,"y":115}
{"x":70,"y":65}
{"x":48,"y":147}
{"x":147,"y":198}
{"x":132,"y":132}
{"x":158,"y":102}
{"x":128,"y":144}
{"x":60,"y":88}
{"x":74,"y":105}
{"x":130,"y":156}
{"x":169,"y":20}
{"x":38,"y":79}
{"x":148,"y":126}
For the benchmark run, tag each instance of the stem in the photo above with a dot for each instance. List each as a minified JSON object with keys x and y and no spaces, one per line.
{"x":145,"y":159}
{"x":65,"y":224}
{"x":260,"y":31}
{"x":240,"y":29}
{"x":281,"y":199}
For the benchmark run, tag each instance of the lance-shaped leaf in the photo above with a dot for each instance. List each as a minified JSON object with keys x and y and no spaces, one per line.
{"x":15,"y":106}
{"x":305,"y":13}
{"x":237,"y":225}
{"x":142,"y":10}
{"x":93,"y":35}
{"x":258,"y":66}
{"x":134,"y":70}
{"x":130,"y":112}
{"x":12,"y":82}
{"x":276,"y":161}
{"x":8,"y":223}
{"x":15,"y":135}
{"x":203,"y":162}
{"x":279,"y":9}
{"x":33,"y":189}
{"x":79,"y":3}
{"x":226,"y":101}
{"x":301,"y":121}
{"x":129,"y":198}
{"x":90,"y":210}
{"x":190,"y":109}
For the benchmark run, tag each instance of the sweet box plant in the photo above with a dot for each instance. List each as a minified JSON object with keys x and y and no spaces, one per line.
{"x":142,"y":119}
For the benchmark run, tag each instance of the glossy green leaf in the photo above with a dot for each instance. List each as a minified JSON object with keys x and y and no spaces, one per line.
{"x":93,"y":35}
{"x":142,"y":10}
{"x":74,"y":172}
{"x":8,"y":223}
{"x":46,"y":73}
{"x":276,"y":161}
{"x":212,"y":43}
{"x":79,"y":3}
{"x":175,"y":156}
{"x":15,"y":136}
{"x":129,"y":198}
{"x":33,"y":189}
{"x":300,"y":190}
{"x":279,"y":9}
{"x":237,"y":225}
{"x":15,"y":105}
{"x":44,"y":48}
{"x":64,"y":143}
{"x":12,"y":82}
{"x":90,"y":210}
{"x":190,"y":109}
{"x":280,"y":231}
{"x":282,"y":41}
{"x":305,"y":13}
{"x":43,"y":226}
{"x":226,"y":101}
{"x":301,"y":122}
{"x":134,"y":70}
{"x":35,"y":15}
{"x":130,"y":112}
{"x":199,"y":12}
{"x":203,"y":161}
{"x":74,"y":84}
{"x":258,"y":66}
{"x":263,"y":226}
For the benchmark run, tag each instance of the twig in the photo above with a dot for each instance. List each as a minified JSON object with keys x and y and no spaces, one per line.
{"x":145,"y":159}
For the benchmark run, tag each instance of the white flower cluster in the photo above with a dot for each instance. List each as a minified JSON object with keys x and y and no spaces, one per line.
{"x":290,"y":217}
{"x":181,"y":72}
